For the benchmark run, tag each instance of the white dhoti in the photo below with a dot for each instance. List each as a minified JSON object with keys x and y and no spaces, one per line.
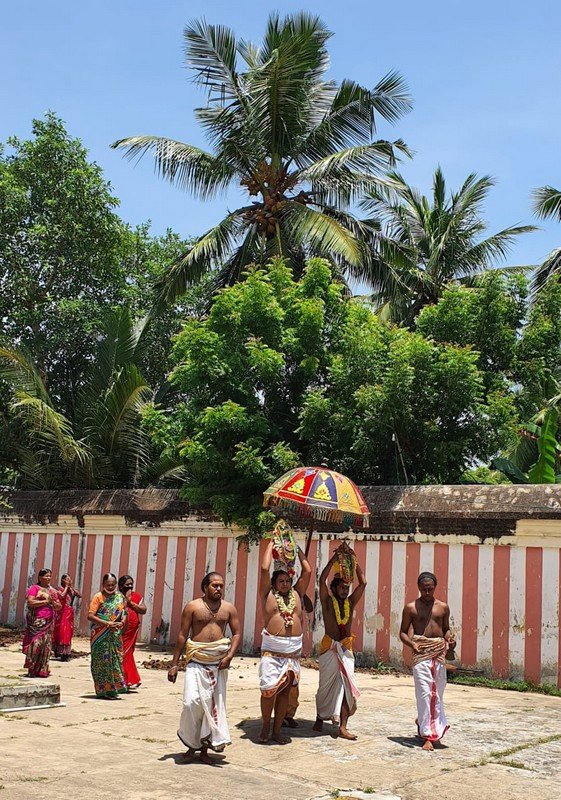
{"x":336,"y":679}
{"x":429,"y":674}
{"x":279,"y":656}
{"x":203,"y":720}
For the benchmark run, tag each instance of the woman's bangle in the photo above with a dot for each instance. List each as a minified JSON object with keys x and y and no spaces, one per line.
{"x":173,"y":666}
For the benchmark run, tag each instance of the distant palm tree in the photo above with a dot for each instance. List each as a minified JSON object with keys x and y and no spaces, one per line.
{"x":428,"y":242}
{"x":104,"y":444}
{"x":547,"y":204}
{"x":300,"y":145}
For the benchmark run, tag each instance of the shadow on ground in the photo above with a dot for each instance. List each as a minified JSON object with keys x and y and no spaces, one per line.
{"x":218,"y":760}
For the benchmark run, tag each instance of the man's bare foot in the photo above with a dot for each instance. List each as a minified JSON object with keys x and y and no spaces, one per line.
{"x":205,"y":758}
{"x":318,"y":725}
{"x":279,"y":738}
{"x":189,"y":755}
{"x":345,"y":734}
{"x":427,"y":745}
{"x":289,"y":722}
{"x":264,"y":735}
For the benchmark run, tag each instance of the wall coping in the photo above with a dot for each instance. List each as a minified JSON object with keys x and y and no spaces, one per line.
{"x":467,"y":510}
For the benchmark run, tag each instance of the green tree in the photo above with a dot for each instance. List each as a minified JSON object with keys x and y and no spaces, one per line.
{"x":103,"y":444}
{"x":60,"y":244}
{"x":287,"y":371}
{"x":243,"y":374}
{"x":429,"y":242}
{"x":487,"y":316}
{"x":301,"y":145}
{"x":538,"y":359}
{"x":398,"y":408}
{"x":67,"y":259}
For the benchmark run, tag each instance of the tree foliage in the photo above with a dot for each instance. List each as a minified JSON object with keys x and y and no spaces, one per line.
{"x":67,"y":259}
{"x":287,"y":371}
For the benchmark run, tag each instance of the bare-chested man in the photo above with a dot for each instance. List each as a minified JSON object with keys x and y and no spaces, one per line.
{"x":429,"y":620}
{"x":337,"y":693}
{"x":208,"y":653}
{"x":281,"y":643}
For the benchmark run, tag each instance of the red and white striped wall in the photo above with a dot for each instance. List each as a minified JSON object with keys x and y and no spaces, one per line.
{"x":504,"y":598}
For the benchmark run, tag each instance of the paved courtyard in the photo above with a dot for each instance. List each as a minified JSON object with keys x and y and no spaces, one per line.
{"x":501,"y":745}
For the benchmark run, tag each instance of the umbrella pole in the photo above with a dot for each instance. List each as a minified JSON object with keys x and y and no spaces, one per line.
{"x":308,"y":604}
{"x":309,"y":539}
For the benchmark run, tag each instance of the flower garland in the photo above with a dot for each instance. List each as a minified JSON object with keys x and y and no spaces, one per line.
{"x":341,"y":620}
{"x":286,"y":610}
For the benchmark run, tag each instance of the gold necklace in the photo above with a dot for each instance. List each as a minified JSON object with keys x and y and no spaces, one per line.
{"x":213,"y":613}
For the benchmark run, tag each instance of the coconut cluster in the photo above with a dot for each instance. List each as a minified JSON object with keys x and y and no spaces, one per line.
{"x":272,"y":184}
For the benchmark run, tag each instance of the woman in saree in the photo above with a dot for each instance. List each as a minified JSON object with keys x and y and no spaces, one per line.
{"x":135,"y":609}
{"x":42,"y":605}
{"x":107,"y":614}
{"x":64,"y":623}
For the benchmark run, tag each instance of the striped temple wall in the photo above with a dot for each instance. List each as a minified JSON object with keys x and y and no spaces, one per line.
{"x":504,"y":594}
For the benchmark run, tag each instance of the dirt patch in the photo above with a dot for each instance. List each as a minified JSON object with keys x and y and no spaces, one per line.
{"x":162,"y":664}
{"x":310,"y":663}
{"x":9,"y":636}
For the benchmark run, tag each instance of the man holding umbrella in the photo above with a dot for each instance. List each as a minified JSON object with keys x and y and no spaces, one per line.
{"x":337,"y":693}
{"x":281,"y":645}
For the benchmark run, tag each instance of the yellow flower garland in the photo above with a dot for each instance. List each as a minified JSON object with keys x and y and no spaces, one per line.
{"x":286,"y":610}
{"x":346,"y":613}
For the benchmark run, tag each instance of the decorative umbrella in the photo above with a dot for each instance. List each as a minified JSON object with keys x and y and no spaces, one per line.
{"x":319,"y":493}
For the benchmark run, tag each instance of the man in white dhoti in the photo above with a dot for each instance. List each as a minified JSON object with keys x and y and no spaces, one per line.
{"x":208,"y":653}
{"x":337,"y":693}
{"x":281,"y":643}
{"x":428,"y":619}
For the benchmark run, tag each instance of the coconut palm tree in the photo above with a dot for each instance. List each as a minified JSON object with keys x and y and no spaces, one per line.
{"x":104,"y":444}
{"x":428,"y":242}
{"x":297,"y":143}
{"x":547,"y":204}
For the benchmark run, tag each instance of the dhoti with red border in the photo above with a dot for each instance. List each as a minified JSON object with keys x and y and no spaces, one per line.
{"x":429,"y":674}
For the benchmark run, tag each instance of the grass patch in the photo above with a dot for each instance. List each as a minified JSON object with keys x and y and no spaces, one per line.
{"x":519,"y":747}
{"x":506,"y":685}
{"x":515,"y":765}
{"x":38,"y":779}
{"x":42,"y":724}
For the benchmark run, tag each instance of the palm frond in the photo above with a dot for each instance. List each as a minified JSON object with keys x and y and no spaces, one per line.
{"x":391,"y":97}
{"x":324,"y":235}
{"x":547,"y":202}
{"x":550,"y":267}
{"x":211,"y":52}
{"x":188,"y":167}
{"x":210,"y":249}
{"x":45,"y":427}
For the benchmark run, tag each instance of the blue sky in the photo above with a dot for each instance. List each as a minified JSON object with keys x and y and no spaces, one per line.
{"x":484,"y":78}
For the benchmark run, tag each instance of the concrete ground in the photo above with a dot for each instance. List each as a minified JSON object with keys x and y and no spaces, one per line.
{"x":501,"y":744}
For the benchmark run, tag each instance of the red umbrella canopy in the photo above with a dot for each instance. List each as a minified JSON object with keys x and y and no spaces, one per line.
{"x":320,"y":493}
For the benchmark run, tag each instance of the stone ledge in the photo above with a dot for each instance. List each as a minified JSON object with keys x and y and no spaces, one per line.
{"x":24,"y":697}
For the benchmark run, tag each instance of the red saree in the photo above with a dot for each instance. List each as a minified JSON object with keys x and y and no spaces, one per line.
{"x":64,"y":625}
{"x":130,"y":635}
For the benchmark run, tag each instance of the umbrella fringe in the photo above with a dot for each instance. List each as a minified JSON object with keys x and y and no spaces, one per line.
{"x":317,"y":512}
